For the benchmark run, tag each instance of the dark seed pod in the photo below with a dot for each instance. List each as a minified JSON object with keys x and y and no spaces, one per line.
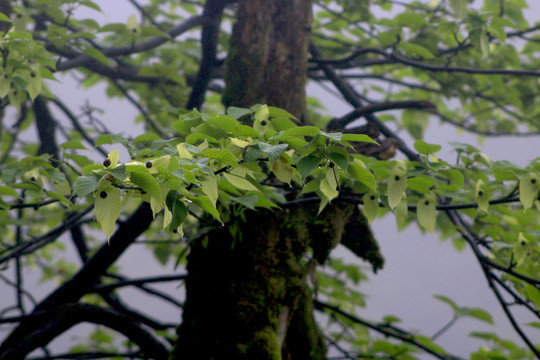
{"x":480,"y":193}
{"x":148,"y":164}
{"x":32,"y":74}
{"x":106,"y":162}
{"x":397,"y":178}
{"x":263,"y":123}
{"x":103,"y":194}
{"x":372,"y":197}
{"x":331,"y":165}
{"x":426,"y":202}
{"x":533,"y":181}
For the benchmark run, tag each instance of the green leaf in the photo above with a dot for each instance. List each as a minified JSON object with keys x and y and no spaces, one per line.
{"x":416,"y":122}
{"x":107,"y":209}
{"x":282,"y":170}
{"x":307,"y":165}
{"x":426,"y":149}
{"x":272,"y":151}
{"x":179,"y":213}
{"x":401,"y":211}
{"x":74,"y":144}
{"x":363,"y":175}
{"x":261,"y":123}
{"x":4,"y":18}
{"x":522,"y":249}
{"x":85,"y":185}
{"x":339,"y":159}
{"x":397,"y":184}
{"x":224,"y":122}
{"x":371,"y":206}
{"x":481,"y":196}
{"x":132,"y":24}
{"x":237,"y":112}
{"x":448,"y":301}
{"x":223,"y":155}
{"x":90,"y":4}
{"x":246,"y":131}
{"x":98,"y":55}
{"x":479,"y":314}
{"x":207,"y":205}
{"x":411,"y":20}
{"x":248,"y":201}
{"x":148,"y":137}
{"x":146,"y":182}
{"x":328,"y":190}
{"x":210,"y":188}
{"x":282,"y":123}
{"x":422,"y":184}
{"x":528,"y":189}
{"x":237,"y":177}
{"x":277,"y":113}
{"x":427,"y":213}
{"x":358,"y":138}
{"x":110,"y":139}
{"x":459,"y":7}
{"x":302,"y":131}
{"x":337,"y":136}
{"x":4,"y":190}
{"x":415,"y":50}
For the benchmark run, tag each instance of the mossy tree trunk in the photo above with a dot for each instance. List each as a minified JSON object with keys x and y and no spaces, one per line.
{"x":247,"y":296}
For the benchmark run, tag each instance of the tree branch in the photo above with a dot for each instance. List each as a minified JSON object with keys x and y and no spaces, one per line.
{"x":385,"y":329}
{"x":212,"y":13}
{"x":89,"y":275}
{"x":63,"y":318}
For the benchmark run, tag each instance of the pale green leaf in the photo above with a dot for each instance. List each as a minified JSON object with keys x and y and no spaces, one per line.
{"x":397,"y":184}
{"x":210,"y":188}
{"x":107,"y":209}
{"x":522,"y":249}
{"x":528,"y":189}
{"x":371,"y":206}
{"x":427,"y":213}
{"x":481,"y":195}
{"x":330,"y":192}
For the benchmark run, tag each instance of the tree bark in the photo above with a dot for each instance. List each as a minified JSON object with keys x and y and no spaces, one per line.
{"x":247,"y":296}
{"x":267,"y":60}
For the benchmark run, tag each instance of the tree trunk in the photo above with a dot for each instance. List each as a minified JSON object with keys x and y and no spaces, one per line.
{"x":246,"y":290}
{"x":267,"y":60}
{"x":247,"y":296}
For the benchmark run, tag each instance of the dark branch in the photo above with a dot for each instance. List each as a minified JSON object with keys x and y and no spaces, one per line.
{"x":55,"y":323}
{"x":212,"y":13}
